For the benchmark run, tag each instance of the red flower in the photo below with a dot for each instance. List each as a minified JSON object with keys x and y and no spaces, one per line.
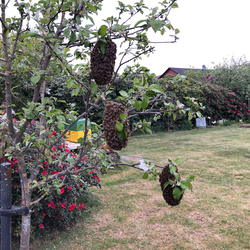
{"x":94,"y":176}
{"x":98,"y":179}
{"x":51,"y":204}
{"x":80,"y":183}
{"x":14,"y":119}
{"x":70,"y":188}
{"x":74,"y":156}
{"x":72,"y":207}
{"x":54,"y":206}
{"x":63,"y":204}
{"x":84,"y":158}
{"x":60,"y":146}
{"x":60,"y":216}
{"x":80,"y":206}
{"x":41,"y":226}
{"x":90,"y":172}
{"x":44,"y":172}
{"x":62,"y":191}
{"x":53,"y":148}
{"x":62,"y":176}
{"x":43,"y":214}
{"x":15,"y":186}
{"x":53,"y":172}
{"x":49,"y":136}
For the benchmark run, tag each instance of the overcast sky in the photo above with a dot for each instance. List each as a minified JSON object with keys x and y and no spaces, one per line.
{"x":210,"y":30}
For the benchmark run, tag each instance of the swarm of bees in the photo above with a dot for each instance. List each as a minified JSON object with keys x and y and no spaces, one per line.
{"x":112,"y":113}
{"x":165,"y":175}
{"x":102,"y":61}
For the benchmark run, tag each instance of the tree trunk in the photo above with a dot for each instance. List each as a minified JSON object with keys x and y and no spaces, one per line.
{"x":25,"y":233}
{"x":26,"y":200}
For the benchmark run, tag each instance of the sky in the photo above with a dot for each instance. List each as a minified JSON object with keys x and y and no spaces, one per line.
{"x":210,"y":31}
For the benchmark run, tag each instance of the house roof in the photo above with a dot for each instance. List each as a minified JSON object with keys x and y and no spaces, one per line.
{"x":179,"y":71}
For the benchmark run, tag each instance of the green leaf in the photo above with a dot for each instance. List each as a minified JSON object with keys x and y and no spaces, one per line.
{"x":123,"y":93}
{"x":60,"y":125}
{"x":103,"y":47}
{"x":29,"y":34}
{"x":176,"y":31}
{"x":58,"y":191}
{"x":145,"y":175}
{"x":154,"y":10}
{"x":156,"y":88}
{"x":171,"y":182}
{"x":172,"y":169}
{"x":123,"y":116}
{"x":45,"y":100}
{"x":102,"y":30}
{"x":141,"y":21}
{"x":175,"y":5}
{"x":73,"y":37}
{"x":122,"y":135}
{"x":177,"y":192}
{"x":35,"y":79}
{"x":93,"y":87}
{"x":91,"y":7}
{"x":145,"y":102}
{"x":70,"y":160}
{"x":177,"y":160}
{"x":190,"y":178}
{"x":30,"y":116}
{"x":119,"y":126}
{"x":155,"y":24}
{"x":150,"y":93}
{"x":144,"y":81}
{"x":136,"y":81}
{"x":66,"y":32}
{"x":165,"y":185}
{"x":186,"y":185}
{"x":176,"y":175}
{"x":138,"y":105}
{"x":174,"y":116}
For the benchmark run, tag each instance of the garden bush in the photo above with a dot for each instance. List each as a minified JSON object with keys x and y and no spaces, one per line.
{"x":64,"y":205}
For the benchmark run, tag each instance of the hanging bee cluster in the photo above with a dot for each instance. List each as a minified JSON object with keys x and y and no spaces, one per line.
{"x":112,"y":113}
{"x":102,"y":61}
{"x":165,"y":175}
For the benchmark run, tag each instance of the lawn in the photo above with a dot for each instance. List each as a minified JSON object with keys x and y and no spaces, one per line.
{"x":130,"y":213}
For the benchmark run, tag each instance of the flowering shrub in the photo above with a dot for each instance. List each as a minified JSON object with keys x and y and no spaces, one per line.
{"x":63,"y":200}
{"x":61,"y":207}
{"x":219,"y":102}
{"x":223,"y":104}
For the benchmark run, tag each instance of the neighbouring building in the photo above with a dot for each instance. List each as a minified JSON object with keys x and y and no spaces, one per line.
{"x":176,"y":71}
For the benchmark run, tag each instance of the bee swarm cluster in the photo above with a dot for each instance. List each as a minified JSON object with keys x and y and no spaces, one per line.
{"x":112,"y":113}
{"x":165,"y":175}
{"x":102,"y":64}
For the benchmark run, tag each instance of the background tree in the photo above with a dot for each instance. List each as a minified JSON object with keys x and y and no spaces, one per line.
{"x":41,"y":43}
{"x":234,"y":74}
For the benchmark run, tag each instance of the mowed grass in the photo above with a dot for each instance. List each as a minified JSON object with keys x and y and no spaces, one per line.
{"x":130,"y":213}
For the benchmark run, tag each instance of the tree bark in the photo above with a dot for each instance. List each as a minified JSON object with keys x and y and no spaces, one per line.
{"x":25,"y":233}
{"x":26,"y":201}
